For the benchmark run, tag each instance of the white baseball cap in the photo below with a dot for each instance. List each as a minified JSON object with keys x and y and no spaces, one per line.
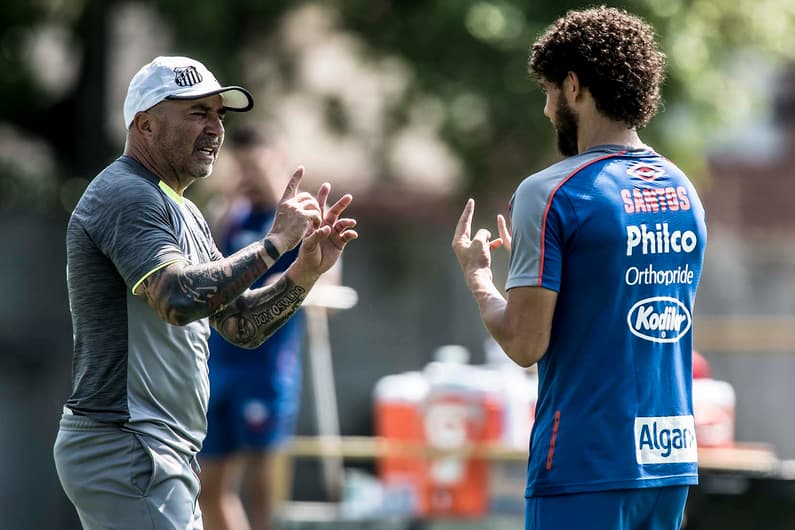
{"x":178,"y":78}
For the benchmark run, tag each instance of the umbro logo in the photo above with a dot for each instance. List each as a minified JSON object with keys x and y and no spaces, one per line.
{"x":187,"y":76}
{"x":647,"y":172}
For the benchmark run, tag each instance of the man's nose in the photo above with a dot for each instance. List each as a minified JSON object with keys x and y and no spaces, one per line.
{"x":215,"y":125}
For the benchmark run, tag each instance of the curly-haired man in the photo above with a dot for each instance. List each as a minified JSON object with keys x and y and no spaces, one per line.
{"x":606,"y":251}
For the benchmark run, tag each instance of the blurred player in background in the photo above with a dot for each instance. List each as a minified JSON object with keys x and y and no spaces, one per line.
{"x":254,"y":394}
{"x":606,"y":250}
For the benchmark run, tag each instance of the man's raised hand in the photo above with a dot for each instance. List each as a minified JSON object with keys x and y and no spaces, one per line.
{"x":295,"y":213}
{"x":324,"y":245}
{"x":473,"y":253}
{"x":505,"y":235}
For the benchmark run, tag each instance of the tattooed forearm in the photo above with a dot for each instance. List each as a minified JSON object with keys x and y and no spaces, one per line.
{"x":182,"y":294}
{"x":256,"y":315}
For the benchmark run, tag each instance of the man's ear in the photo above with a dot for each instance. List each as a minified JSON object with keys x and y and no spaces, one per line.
{"x":572,"y":90}
{"x":143,"y":123}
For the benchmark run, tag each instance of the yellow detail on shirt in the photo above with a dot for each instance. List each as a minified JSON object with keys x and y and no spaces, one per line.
{"x":180,"y":200}
{"x":145,"y":276}
{"x":173,"y":195}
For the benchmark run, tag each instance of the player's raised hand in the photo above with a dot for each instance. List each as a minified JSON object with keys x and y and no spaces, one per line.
{"x":295,"y":213}
{"x":505,"y":235}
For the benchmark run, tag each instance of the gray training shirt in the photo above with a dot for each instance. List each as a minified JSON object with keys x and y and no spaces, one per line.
{"x":131,"y":367}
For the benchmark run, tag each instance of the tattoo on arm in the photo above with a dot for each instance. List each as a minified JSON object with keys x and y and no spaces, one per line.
{"x":256,"y":315}
{"x":187,"y":293}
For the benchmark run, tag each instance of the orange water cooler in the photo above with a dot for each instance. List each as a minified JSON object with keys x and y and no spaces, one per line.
{"x":455,"y":416}
{"x":399,"y":400}
{"x":713,"y":406}
{"x":714,"y":412}
{"x":447,"y":406}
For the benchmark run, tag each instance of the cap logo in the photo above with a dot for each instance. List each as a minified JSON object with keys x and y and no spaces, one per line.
{"x":187,"y":76}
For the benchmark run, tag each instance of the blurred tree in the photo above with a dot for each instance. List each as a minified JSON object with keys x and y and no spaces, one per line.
{"x":66,"y":112}
{"x":474,"y":54}
{"x":470,"y":54}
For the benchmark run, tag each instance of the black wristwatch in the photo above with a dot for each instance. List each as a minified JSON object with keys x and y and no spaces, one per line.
{"x":271,"y":250}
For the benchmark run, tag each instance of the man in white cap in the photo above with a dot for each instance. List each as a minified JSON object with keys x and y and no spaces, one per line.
{"x":145,"y":283}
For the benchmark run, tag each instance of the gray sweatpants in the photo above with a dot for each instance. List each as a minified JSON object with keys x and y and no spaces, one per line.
{"x":119,"y":479}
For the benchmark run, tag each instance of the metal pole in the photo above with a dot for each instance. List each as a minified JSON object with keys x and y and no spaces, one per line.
{"x":317,"y":303}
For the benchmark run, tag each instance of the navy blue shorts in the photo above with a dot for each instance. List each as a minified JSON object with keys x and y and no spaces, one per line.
{"x":250,"y":409}
{"x":636,"y":509}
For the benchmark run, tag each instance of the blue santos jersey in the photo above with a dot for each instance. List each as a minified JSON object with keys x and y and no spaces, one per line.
{"x":246,"y":226}
{"x":620,"y":235}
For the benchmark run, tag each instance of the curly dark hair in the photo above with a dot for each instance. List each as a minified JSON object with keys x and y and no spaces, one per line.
{"x":614,"y":55}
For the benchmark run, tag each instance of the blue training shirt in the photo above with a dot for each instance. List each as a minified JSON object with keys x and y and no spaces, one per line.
{"x":620,"y":235}
{"x":246,"y":226}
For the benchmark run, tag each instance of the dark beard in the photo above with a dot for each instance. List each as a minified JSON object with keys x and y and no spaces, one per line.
{"x":566,"y":128}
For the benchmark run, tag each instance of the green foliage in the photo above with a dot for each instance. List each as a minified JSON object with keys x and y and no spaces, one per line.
{"x":473,"y":56}
{"x":217,"y":31}
{"x":480,"y":48}
{"x":470,"y":55}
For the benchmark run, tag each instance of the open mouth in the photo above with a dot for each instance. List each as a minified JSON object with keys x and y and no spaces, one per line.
{"x":208,"y":152}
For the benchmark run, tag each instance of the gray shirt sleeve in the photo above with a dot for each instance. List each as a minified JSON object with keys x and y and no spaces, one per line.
{"x":527,"y":217}
{"x":536,"y":246}
{"x":139,"y":233}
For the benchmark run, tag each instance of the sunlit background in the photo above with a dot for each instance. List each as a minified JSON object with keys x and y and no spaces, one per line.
{"x":411,"y":106}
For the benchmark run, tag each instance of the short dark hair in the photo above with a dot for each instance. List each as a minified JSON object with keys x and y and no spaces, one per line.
{"x":614,"y":55}
{"x":247,"y":135}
